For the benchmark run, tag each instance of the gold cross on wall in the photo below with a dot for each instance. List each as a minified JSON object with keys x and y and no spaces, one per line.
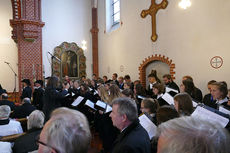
{"x":152,"y":11}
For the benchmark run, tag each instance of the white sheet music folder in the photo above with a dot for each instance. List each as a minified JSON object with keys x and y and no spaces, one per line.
{"x":168,"y":98}
{"x":194,"y":103}
{"x":207,"y":115}
{"x":108,"y":109}
{"x":140,"y":97}
{"x":167,"y":89}
{"x":90,"y":104}
{"x":77,"y":101}
{"x":101,"y":104}
{"x":148,"y":125}
{"x":224,"y":110}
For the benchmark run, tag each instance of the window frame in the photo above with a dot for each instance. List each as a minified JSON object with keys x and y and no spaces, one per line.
{"x":114,"y":13}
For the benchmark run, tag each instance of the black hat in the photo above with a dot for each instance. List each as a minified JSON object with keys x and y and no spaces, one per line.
{"x":39,"y":82}
{"x":27,"y":81}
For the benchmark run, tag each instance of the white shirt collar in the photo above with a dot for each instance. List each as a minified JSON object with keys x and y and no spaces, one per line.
{"x":222,"y":101}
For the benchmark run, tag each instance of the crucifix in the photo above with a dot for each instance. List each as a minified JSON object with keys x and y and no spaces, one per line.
{"x":152,"y":11}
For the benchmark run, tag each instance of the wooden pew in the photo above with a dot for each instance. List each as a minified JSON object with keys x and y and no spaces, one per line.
{"x":11,"y":138}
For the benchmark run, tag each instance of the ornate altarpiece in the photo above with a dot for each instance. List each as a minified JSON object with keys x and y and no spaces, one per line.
{"x":71,"y":63}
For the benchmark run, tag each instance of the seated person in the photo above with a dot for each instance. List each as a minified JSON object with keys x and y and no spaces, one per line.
{"x":67,"y":131}
{"x":7,"y":126}
{"x":5,"y":147}
{"x":27,"y":142}
{"x":24,"y":110}
{"x":208,"y":98}
{"x":5,"y":101}
{"x":166,"y":113}
{"x":127,"y":93}
{"x":133,"y":137}
{"x":183,"y":104}
{"x":149,"y":107}
{"x":192,"y":135}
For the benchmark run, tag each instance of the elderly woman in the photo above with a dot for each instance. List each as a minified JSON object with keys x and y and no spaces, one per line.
{"x":7,"y":126}
{"x":27,"y":142}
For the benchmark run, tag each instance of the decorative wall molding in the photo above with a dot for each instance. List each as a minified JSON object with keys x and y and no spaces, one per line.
{"x":150,"y":59}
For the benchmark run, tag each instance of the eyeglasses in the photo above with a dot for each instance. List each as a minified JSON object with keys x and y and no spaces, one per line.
{"x":44,"y":144}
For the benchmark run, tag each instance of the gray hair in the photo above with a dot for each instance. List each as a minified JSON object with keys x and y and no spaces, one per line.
{"x":5,"y":111}
{"x":127,"y":106}
{"x":26,"y":100}
{"x":193,"y":135}
{"x":35,"y":120}
{"x":68,"y":131}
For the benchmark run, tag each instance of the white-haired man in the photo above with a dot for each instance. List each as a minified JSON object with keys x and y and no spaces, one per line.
{"x":67,"y":131}
{"x":133,"y":137}
{"x":188,"y":134}
{"x":7,"y":126}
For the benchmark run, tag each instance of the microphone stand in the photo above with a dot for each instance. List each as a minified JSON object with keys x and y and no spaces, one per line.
{"x":15,"y":76}
{"x":53,"y":57}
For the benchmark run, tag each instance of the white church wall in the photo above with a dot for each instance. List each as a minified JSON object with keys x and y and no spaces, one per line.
{"x":8,"y":48}
{"x":66,"y":20}
{"x":189,"y":37}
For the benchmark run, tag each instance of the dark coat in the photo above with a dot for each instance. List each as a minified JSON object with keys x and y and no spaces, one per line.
{"x":27,"y":142}
{"x":9,"y":103}
{"x":23,"y":111}
{"x":38,"y":98}
{"x":209,"y":101}
{"x":134,"y":139}
{"x":26,"y":92}
{"x":173,"y":85}
{"x":51,"y":100}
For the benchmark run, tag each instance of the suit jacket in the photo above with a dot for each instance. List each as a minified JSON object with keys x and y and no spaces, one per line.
{"x":38,"y":98}
{"x":133,"y":139}
{"x":197,"y":94}
{"x":209,"y":101}
{"x":26,"y":92}
{"x":23,"y":111}
{"x":9,"y":103}
{"x":26,"y":143}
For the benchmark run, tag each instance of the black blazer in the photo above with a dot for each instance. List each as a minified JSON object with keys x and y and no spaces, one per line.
{"x":173,"y":85}
{"x":26,"y":92}
{"x":134,"y":139}
{"x":9,"y":103}
{"x":26,"y":143}
{"x":23,"y":111}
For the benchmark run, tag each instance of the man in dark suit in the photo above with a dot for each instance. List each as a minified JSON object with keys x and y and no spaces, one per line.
{"x":5,"y":101}
{"x":24,"y":110}
{"x":133,"y":137}
{"x":27,"y":91}
{"x":167,"y":78}
{"x":114,"y":78}
{"x":38,"y":94}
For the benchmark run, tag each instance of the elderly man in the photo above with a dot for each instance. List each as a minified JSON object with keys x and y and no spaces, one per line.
{"x":188,"y":134}
{"x":24,"y":110}
{"x":27,"y":142}
{"x":67,"y":131}
{"x":7,"y":126}
{"x":133,"y":137}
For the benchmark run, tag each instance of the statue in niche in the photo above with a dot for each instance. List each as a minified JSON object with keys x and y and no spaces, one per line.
{"x":69,"y":64}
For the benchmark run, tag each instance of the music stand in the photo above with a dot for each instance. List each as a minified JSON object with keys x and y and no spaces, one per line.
{"x":52,"y":58}
{"x":15,"y":76}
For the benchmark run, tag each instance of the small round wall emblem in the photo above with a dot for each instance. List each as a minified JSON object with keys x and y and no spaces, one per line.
{"x":216,"y":62}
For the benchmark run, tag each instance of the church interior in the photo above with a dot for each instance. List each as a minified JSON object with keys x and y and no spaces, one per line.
{"x":77,"y":38}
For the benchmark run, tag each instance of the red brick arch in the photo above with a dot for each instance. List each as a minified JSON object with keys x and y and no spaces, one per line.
{"x":150,"y":59}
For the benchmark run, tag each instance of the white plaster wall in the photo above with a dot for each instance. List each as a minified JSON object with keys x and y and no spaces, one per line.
{"x":189,"y":37}
{"x":66,"y":20}
{"x":8,"y":48}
